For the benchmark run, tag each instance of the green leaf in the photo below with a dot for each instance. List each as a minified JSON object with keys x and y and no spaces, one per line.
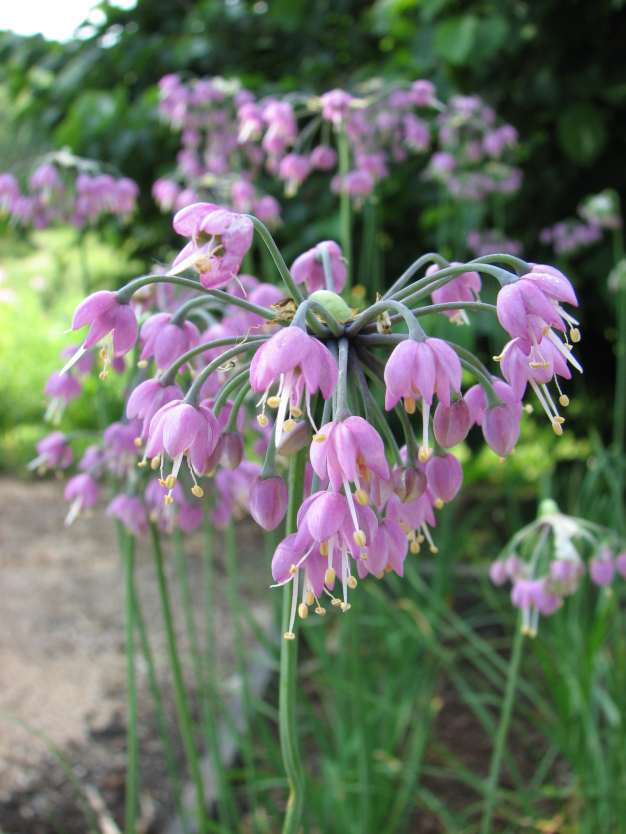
{"x":455,"y":38}
{"x":582,"y":133}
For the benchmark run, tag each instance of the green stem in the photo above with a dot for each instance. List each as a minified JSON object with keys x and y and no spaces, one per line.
{"x":503,"y":729}
{"x":619,"y":413}
{"x":128,"y":552}
{"x":182,"y":707}
{"x":345,"y":207}
{"x":269,"y":241}
{"x":288,"y":671}
{"x":431,"y":257}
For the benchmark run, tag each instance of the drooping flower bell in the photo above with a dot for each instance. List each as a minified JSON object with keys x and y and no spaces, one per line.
{"x":268,"y":501}
{"x":167,"y":341}
{"x":83,"y":492}
{"x":107,"y":316}
{"x":53,"y":452}
{"x":464,"y":287}
{"x":309,"y":267}
{"x":302,"y":365}
{"x":131,"y":511}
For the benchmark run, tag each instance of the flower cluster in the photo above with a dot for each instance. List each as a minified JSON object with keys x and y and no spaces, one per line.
{"x":599,"y":212}
{"x":66,"y":189}
{"x":554,"y":566}
{"x":306,"y":363}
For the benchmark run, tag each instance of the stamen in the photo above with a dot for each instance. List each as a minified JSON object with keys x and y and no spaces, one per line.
{"x":409,"y":405}
{"x":429,"y":538}
{"x":307,"y":399}
{"x":564,"y":351}
{"x":294,"y":603}
{"x":425,"y":451}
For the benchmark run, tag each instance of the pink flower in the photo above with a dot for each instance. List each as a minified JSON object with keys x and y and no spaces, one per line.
{"x":461,"y":288}
{"x":219,"y":241}
{"x":308,"y":267}
{"x":423,"y":93}
{"x":346,"y":451}
{"x":294,"y":168}
{"x":602,"y":568}
{"x":83,"y":492}
{"x":165,"y":193}
{"x":532,"y":597}
{"x":53,"y":452}
{"x":268,"y":501}
{"x":147,"y":398}
{"x":497,"y":573}
{"x":106,"y":315}
{"x":167,"y":342}
{"x":451,"y":423}
{"x":335,"y":106}
{"x":388,"y":550}
{"x":302,"y":363}
{"x":131,"y":511}
{"x":323,"y":157}
{"x":267,"y":209}
{"x":62,"y":388}
{"x":445,"y":476}
{"x":415,"y":517}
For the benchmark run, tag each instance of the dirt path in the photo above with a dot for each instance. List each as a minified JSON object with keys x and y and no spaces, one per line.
{"x":62,"y":662}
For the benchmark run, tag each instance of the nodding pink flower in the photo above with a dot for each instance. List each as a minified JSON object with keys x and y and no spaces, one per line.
{"x":9,"y":192}
{"x":250,"y":122}
{"x":242,"y":194}
{"x":309,"y":267}
{"x":165,"y":194}
{"x":83,"y":492}
{"x":357,"y":184}
{"x":62,"y":388}
{"x":219,"y":241}
{"x":532,"y":597}
{"x":268,"y":501}
{"x":423,"y":93}
{"x":443,"y":162}
{"x":346,"y":451}
{"x":85,"y":363}
{"x":565,"y":575}
{"x":501,"y":429}
{"x":602,"y":567}
{"x":620,"y":564}
{"x":373,"y":163}
{"x":302,"y":364}
{"x":167,"y":342}
{"x":232,"y":450}
{"x":264,"y":296}
{"x":451,"y":423}
{"x":233,"y":489}
{"x":186,"y":517}
{"x":415,"y":517}
{"x":147,"y":398}
{"x":497,"y":573}
{"x":445,"y":476}
{"x":476,"y":399}
{"x":335,"y":106}
{"x":131,"y":511}
{"x":387,"y":552}
{"x":409,"y":483}
{"x":495,"y":141}
{"x":120,"y":438}
{"x":464,"y":287}
{"x":93,"y":460}
{"x":538,"y":368}
{"x":106,"y":315}
{"x":416,"y":133}
{"x":53,"y":452}
{"x":267,"y":209}
{"x":294,"y":169}
{"x":323,"y":157}
{"x":45,"y":178}
{"x":379,"y":489}
{"x":416,"y":369}
{"x":180,"y":427}
{"x":292,"y":442}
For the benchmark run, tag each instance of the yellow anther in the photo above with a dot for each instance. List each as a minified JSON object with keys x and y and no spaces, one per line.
{"x":170,"y":481}
{"x":211,"y":473}
{"x":293,"y":569}
{"x":103,"y":374}
{"x":359,"y":538}
{"x":498,"y":358}
{"x":512,"y":452}
{"x":352,"y":582}
{"x":329,"y":576}
{"x":416,"y":390}
{"x":424,"y":454}
{"x":155,"y":462}
{"x":263,"y":421}
{"x":536,"y":364}
{"x":335,"y":602}
{"x":365,"y":557}
{"x":409,"y":405}
{"x":143,"y":363}
{"x":324,"y":548}
{"x":528,"y":408}
{"x":319,"y":438}
{"x":362,"y":497}
{"x":309,"y":598}
{"x":434,"y":549}
{"x":388,"y":568}
{"x":345,"y":606}
{"x":290,"y":635}
{"x":365,"y":474}
{"x":319,"y":610}
{"x":295,"y":411}
{"x":500,"y":461}
{"x":289,"y":425}
{"x":564,"y":400}
{"x":137,"y":441}
{"x":404,"y":527}
{"x":168,"y":499}
{"x":558,"y":428}
{"x":273,"y":402}
{"x":380,"y":575}
{"x":439,"y":503}
{"x":153,"y":518}
{"x":414,"y":547}
{"x":303,"y":611}
{"x":559,"y":419}
{"x":574,"y":335}
{"x":103,"y":353}
{"x":161,"y":482}
{"x":197,"y":491}
{"x":419,"y":539}
{"x":142,"y":463}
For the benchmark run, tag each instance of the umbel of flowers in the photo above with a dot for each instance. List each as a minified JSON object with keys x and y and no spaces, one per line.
{"x":294,"y":371}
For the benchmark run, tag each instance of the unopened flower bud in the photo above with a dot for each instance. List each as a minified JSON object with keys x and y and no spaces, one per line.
{"x":232,"y":450}
{"x":451,"y":424}
{"x":445,"y":476}
{"x":291,"y":442}
{"x":268,"y":501}
{"x":602,"y":567}
{"x":497,"y":573}
{"x":501,"y":429}
{"x":409,"y":484}
{"x":379,"y":489}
